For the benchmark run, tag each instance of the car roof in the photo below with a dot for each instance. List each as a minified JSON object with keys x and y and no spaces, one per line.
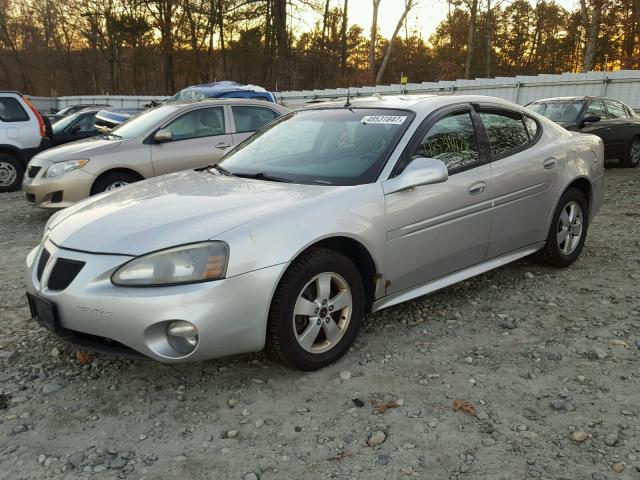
{"x":575,"y":98}
{"x":417,"y":103}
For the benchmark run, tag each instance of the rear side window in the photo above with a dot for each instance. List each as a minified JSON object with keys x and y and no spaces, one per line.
{"x":506,"y":131}
{"x":250,"y":119}
{"x":12,"y":111}
{"x":615,"y":109}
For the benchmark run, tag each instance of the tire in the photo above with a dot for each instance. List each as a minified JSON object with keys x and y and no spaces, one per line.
{"x":299,"y":341}
{"x":561,"y":254}
{"x":113,"y":180}
{"x":11,"y":173}
{"x":632,"y":158}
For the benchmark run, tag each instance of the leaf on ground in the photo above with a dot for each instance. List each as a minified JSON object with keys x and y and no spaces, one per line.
{"x":466,"y":407}
{"x":383,"y":407}
{"x":357,"y":402}
{"x":83,"y":358}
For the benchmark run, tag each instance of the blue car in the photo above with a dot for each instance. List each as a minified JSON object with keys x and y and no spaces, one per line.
{"x":225,"y":89}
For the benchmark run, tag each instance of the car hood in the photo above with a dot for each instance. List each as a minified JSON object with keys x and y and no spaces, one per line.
{"x":79,"y":149}
{"x":175,"y":209}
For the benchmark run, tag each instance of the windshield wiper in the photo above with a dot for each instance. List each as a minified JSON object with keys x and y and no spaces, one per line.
{"x":214,"y":166}
{"x":263,"y":176}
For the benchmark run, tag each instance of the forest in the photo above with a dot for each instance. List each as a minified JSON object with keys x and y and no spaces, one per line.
{"x":155,"y":47}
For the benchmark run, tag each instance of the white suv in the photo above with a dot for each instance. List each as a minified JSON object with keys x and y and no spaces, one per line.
{"x":22,"y":134}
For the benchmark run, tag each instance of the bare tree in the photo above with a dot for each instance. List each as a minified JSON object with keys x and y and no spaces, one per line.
{"x":591,"y":12}
{"x":343,"y":37}
{"x":408,"y":5}
{"x":374,"y":39}
{"x":471,"y":36}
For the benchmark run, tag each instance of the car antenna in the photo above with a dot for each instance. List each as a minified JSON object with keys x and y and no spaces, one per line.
{"x":348,"y":103}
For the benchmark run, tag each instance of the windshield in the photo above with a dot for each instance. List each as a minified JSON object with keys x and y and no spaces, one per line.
{"x":558,"y":111}
{"x":140,"y":124}
{"x":63,"y":123}
{"x":337,"y":146}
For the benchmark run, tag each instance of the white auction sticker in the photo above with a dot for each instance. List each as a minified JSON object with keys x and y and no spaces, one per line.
{"x":384,"y":119}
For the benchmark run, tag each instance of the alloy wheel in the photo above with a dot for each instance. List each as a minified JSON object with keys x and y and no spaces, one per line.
{"x":322,"y":312}
{"x":115,"y":185}
{"x":634,"y":155}
{"x":570,"y":228}
{"x":8,"y":174}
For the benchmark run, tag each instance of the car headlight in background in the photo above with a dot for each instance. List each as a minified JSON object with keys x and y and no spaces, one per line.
{"x":197,"y":262}
{"x":64,"y":167}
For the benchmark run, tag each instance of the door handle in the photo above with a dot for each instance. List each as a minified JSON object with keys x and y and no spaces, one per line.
{"x":608,"y":129}
{"x":549,"y":163}
{"x":222,"y":145}
{"x":476,"y":188}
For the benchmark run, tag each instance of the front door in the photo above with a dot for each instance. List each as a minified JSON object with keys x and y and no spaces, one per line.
{"x":601,"y":128}
{"x":434,"y":230}
{"x":199,"y":138}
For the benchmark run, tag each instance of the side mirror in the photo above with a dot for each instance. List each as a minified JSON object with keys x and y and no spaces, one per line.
{"x":75,"y":129}
{"x":163,"y":136}
{"x":421,"y":171}
{"x":591,"y":119}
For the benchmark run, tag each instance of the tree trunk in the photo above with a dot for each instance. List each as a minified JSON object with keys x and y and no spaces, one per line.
{"x":280,"y":30}
{"x":489,"y":33}
{"x":591,"y":18}
{"x":323,"y":39}
{"x":471,"y":37}
{"x":343,"y":38}
{"x":373,"y":40}
{"x":408,"y":5}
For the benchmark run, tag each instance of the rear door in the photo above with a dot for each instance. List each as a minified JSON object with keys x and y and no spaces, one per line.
{"x":434,"y":230}
{"x":247,"y":119}
{"x":527,"y":174}
{"x":623,"y":130}
{"x":18,"y":125}
{"x":200,"y":137}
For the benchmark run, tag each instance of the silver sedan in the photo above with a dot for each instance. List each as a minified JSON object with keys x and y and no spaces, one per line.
{"x":327,"y":214}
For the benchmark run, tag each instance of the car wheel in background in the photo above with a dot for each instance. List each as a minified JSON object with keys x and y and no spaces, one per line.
{"x":568,"y":230}
{"x":316,"y":311}
{"x":632,"y":159}
{"x":111,"y":181}
{"x":11,"y":173}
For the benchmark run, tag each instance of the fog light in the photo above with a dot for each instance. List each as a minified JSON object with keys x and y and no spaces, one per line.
{"x":182,"y":336}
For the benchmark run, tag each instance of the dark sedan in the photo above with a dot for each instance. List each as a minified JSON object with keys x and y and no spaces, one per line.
{"x":613,"y":121}
{"x":76,"y":126}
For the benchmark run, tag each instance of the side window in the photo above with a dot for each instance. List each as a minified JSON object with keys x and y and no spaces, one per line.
{"x":616,"y":110}
{"x":250,"y":119}
{"x":202,"y":122}
{"x":596,"y":107}
{"x":532,"y":127}
{"x":451,"y":139}
{"x":506,"y":131}
{"x":86,"y":123}
{"x":12,"y":111}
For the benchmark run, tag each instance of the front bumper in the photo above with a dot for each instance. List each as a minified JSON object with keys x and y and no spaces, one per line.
{"x":230,"y":314}
{"x":57,"y":192}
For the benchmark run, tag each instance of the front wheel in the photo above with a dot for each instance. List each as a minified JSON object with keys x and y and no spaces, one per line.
{"x":568,"y":230}
{"x":111,"y":181}
{"x":632,"y":158}
{"x":316,"y":311}
{"x":11,"y":173}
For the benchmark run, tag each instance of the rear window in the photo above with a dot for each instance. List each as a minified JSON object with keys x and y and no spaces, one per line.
{"x":12,"y":111}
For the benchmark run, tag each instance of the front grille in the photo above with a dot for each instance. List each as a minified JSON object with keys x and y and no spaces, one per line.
{"x":63,"y":273}
{"x":33,"y":171}
{"x":44,"y":258}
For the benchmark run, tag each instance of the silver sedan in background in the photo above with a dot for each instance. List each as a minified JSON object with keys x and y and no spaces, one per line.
{"x":327,"y":214}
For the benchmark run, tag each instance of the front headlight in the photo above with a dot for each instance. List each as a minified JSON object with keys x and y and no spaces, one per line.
{"x":64,"y":167}
{"x":197,"y":262}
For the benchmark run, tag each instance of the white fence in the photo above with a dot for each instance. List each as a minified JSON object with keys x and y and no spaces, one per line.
{"x":623,"y":85}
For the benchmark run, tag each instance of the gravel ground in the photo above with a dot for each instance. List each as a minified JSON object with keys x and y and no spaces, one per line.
{"x":548,"y":359}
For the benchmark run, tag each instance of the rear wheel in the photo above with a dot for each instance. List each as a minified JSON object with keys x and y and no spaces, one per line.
{"x":568,"y":230}
{"x":632,"y":159}
{"x":316,"y":311}
{"x":111,"y":181}
{"x":11,"y":173}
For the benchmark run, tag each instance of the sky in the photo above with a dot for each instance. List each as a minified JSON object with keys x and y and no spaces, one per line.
{"x":424,"y":18}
